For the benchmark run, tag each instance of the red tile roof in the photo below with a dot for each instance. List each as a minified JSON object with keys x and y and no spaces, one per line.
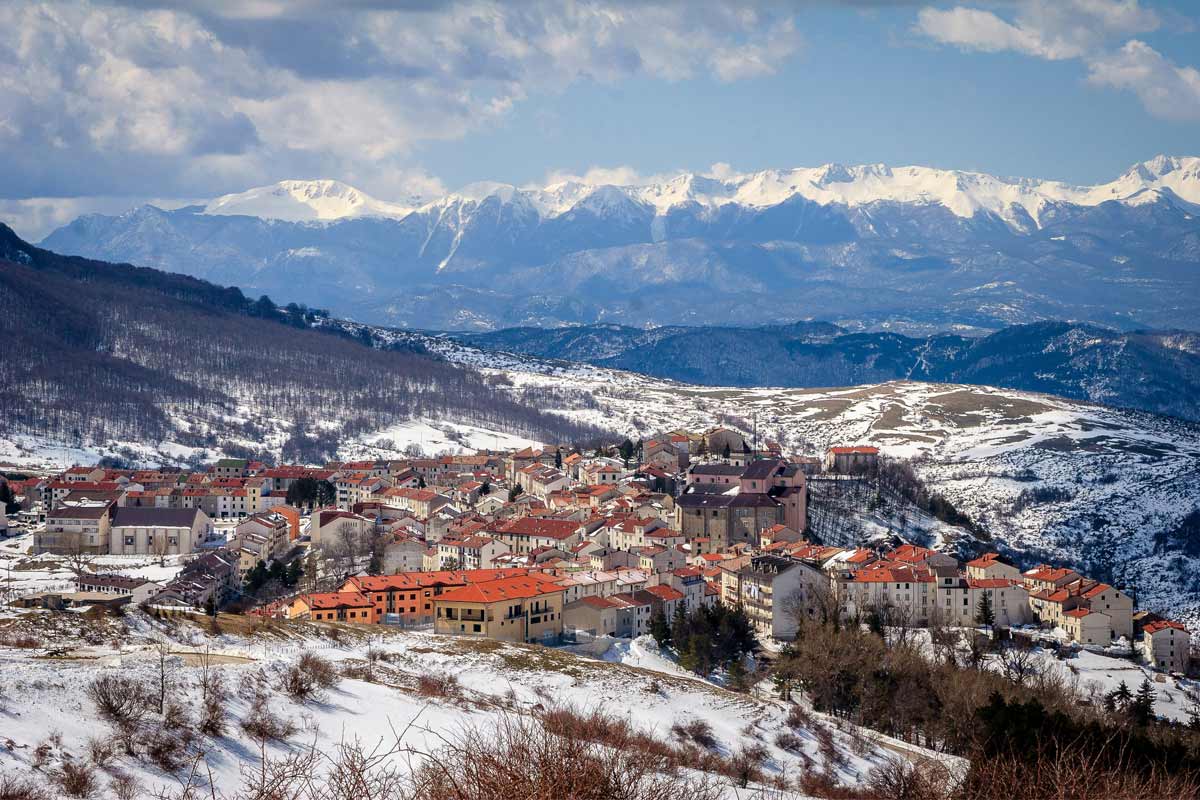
{"x":519,"y":588}
{"x":330,"y":600}
{"x":537,"y":526}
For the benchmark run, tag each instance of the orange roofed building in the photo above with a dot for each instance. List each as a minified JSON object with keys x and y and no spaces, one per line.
{"x":332,"y":607}
{"x":524,"y":608}
{"x":407,"y":597}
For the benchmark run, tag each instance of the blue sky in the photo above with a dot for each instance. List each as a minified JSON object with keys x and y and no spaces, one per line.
{"x":108,"y":104}
{"x":863,"y":87}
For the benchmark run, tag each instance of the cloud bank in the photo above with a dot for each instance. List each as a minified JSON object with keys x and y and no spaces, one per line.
{"x":1101,"y":33}
{"x":143,"y":98}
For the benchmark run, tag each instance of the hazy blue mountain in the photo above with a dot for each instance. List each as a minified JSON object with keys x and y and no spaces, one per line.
{"x":909,"y":249}
{"x":1156,"y":371}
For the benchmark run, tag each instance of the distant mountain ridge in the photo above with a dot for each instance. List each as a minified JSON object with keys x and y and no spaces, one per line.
{"x":965,"y":193}
{"x":911,"y":249}
{"x":1157,"y":371}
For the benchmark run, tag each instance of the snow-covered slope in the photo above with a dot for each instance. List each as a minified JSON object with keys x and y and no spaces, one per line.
{"x":302,"y":201}
{"x":46,"y":699}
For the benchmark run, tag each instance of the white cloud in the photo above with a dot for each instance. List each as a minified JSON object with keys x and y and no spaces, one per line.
{"x":1166,"y":90}
{"x":722,"y":171}
{"x":975,"y":29}
{"x":604,"y":176}
{"x":140,"y":97}
{"x":1088,"y":30}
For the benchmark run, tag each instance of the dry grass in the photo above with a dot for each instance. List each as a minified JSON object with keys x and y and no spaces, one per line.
{"x":14,"y":787}
{"x":444,"y":686}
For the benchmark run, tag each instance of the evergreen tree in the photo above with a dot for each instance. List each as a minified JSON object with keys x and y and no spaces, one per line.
{"x":558,"y":458}
{"x":514,"y":493}
{"x":1121,"y":696}
{"x":8,"y":500}
{"x":295,"y":571}
{"x":485,"y":488}
{"x":781,"y":676}
{"x":421,"y":482}
{"x":984,"y":614}
{"x":875,"y":621}
{"x":1141,"y":710}
{"x":725,"y":453}
{"x":660,"y":629}
{"x":256,"y":577}
{"x":739,"y":681}
{"x":679,"y":629}
{"x":626,"y":451}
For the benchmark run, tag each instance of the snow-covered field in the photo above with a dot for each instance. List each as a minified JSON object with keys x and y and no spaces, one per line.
{"x":23,"y":574}
{"x":45,"y":700}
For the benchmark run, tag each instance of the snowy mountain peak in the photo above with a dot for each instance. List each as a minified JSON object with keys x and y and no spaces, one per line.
{"x":301,"y":201}
{"x":963,"y":193}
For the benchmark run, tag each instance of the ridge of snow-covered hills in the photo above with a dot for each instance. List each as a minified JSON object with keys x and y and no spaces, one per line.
{"x":909,"y":249}
{"x":301,"y":201}
{"x":964,"y":193}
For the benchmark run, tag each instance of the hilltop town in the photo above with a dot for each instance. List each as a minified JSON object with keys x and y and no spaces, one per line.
{"x":543,"y":545}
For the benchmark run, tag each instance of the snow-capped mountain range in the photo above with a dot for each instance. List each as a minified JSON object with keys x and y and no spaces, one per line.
{"x":1016,"y":200}
{"x":301,"y":201}
{"x":905,"y":248}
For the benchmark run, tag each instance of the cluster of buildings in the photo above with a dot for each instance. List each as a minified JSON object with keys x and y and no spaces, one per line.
{"x":525,"y":545}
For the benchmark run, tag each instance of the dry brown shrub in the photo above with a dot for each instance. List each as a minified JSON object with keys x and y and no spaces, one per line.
{"x":125,"y":787}
{"x":323,"y":672}
{"x":267,"y":726}
{"x":77,"y":779}
{"x":121,"y":700}
{"x":101,"y":750}
{"x":697,"y":731}
{"x":14,"y":787}
{"x":445,"y":686}
{"x":519,"y":757}
{"x":1070,"y":774}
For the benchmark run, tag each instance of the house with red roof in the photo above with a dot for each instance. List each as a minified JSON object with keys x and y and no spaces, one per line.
{"x":529,"y":533}
{"x":523,"y":608}
{"x":905,"y":593}
{"x":332,"y":607}
{"x":992,"y":565}
{"x":1166,"y":645}
{"x":1086,"y":626}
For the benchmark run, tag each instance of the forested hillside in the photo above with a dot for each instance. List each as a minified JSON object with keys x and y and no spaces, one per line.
{"x":1157,"y":371}
{"x":98,"y":353}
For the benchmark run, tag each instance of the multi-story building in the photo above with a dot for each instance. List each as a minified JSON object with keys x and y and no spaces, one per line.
{"x":526,"y":608}
{"x":158,"y":531}
{"x":776,"y":593}
{"x":1166,"y":645}
{"x":77,"y":529}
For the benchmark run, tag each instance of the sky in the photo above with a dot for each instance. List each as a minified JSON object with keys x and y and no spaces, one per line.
{"x":108,"y":105}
